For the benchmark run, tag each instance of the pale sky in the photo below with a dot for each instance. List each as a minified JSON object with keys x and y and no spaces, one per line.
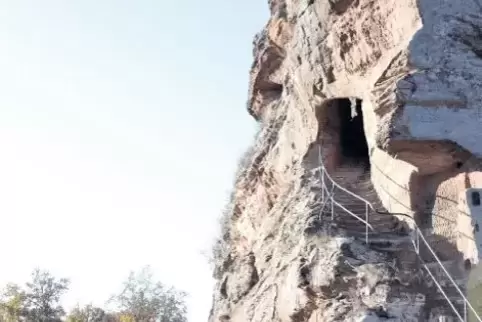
{"x":121,"y":123}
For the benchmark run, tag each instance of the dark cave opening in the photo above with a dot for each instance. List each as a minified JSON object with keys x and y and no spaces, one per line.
{"x":341,"y":134}
{"x":353,"y":142}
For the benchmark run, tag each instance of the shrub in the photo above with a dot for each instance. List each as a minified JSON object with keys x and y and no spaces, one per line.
{"x":221,"y":245}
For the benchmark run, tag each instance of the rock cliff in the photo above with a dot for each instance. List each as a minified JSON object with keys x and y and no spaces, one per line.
{"x":357,"y":98}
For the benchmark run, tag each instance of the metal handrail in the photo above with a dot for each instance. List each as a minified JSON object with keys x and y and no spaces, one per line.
{"x":416,"y":237}
{"x":340,"y":187}
{"x":462,"y":295}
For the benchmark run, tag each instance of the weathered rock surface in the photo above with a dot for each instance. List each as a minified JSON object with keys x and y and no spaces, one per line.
{"x":416,"y":66}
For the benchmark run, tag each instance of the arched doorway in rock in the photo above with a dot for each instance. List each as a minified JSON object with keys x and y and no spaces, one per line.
{"x":341,"y":133}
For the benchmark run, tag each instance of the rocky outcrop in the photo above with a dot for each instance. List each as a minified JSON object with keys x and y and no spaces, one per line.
{"x":414,"y":67}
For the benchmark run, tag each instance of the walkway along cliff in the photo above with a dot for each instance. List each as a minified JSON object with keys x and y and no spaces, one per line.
{"x":360,"y":199}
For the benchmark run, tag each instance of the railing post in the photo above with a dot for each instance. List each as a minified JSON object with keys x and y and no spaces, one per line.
{"x":332,"y":203}
{"x":320,"y":215}
{"x":322,"y":173}
{"x":417,"y":241}
{"x":465,"y":311}
{"x":323,"y":201}
{"x":366,"y":223}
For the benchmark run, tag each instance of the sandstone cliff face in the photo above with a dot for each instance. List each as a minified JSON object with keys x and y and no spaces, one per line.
{"x":411,"y":71}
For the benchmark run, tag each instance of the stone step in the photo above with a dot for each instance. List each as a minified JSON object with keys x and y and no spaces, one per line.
{"x":361,"y":212}
{"x":348,"y":185}
{"x":349,"y":204}
{"x":349,"y":217}
{"x":368,"y":187}
{"x":385,"y":244}
{"x":355,"y":210}
{"x":391,"y":234}
{"x":452,"y":294}
{"x":438,"y":301}
{"x":373,"y":219}
{"x":359,"y":207}
{"x":448,"y":287}
{"x":452,"y":266}
{"x":370,"y":191}
{"x":361,"y":228}
{"x":392,"y":227}
{"x":346,"y":198}
{"x":455,"y":298}
{"x":354,"y":201}
{"x":352,"y":221}
{"x":347,"y":220}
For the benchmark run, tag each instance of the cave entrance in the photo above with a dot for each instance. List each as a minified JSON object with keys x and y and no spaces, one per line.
{"x":353,"y":142}
{"x":341,"y":133}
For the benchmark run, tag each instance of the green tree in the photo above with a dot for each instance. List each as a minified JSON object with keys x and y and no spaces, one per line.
{"x":145,"y":300}
{"x":88,"y":313}
{"x":12,"y":304}
{"x":37,"y":302}
{"x":42,"y":297}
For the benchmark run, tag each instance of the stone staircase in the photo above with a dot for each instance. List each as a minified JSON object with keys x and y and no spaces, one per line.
{"x":386,"y":228}
{"x":389,"y":234}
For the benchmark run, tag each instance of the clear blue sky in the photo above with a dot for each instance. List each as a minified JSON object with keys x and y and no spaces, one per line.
{"x":121,"y":123}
